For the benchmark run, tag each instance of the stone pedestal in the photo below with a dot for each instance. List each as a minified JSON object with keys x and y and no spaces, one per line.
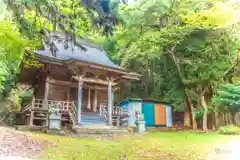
{"x":140,"y":123}
{"x":141,"y":126}
{"x":55,"y":118}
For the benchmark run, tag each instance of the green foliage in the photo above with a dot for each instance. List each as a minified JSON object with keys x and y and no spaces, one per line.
{"x":178,"y":46}
{"x":229,"y":129}
{"x":12,"y":47}
{"x":72,"y":17}
{"x":16,"y":96}
{"x":228,"y":97}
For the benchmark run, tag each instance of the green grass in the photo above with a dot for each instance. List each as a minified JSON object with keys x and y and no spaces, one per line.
{"x":229,"y":129}
{"x":153,"y":146}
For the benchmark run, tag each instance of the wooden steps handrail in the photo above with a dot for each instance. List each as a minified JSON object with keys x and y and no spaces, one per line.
{"x":103,"y":112}
{"x":26,"y":108}
{"x":65,"y":107}
{"x":69,"y":107}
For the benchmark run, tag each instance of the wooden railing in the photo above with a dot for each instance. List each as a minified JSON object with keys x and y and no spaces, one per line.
{"x":66,"y":107}
{"x":116,"y":110}
{"x":120,"y":111}
{"x":103,"y":112}
{"x":26,"y":108}
{"x":117,"y":114}
{"x":69,"y":107}
{"x":73,"y":114}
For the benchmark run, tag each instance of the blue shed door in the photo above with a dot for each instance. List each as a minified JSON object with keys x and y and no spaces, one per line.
{"x":148,"y":112}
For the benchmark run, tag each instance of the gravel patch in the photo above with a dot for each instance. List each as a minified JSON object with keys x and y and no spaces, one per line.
{"x":19,"y":144}
{"x":12,"y":158}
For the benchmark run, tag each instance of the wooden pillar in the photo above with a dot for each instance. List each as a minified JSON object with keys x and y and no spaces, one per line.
{"x":46,"y":92}
{"x":89,"y":99}
{"x":79,"y":106}
{"x":32,"y":112}
{"x":110,"y":103}
{"x":95,"y":100}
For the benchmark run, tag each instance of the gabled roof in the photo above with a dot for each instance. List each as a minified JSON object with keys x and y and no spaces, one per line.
{"x":93,"y":53}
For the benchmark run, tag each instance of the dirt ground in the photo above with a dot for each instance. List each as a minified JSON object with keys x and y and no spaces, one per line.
{"x":19,"y":144}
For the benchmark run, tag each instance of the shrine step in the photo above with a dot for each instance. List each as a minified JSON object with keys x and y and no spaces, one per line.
{"x":92,"y":118}
{"x":99,"y":129}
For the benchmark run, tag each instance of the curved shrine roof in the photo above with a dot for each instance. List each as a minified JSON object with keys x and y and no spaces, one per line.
{"x":93,"y":53}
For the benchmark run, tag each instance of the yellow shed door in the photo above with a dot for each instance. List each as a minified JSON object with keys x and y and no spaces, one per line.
{"x":160,"y":114}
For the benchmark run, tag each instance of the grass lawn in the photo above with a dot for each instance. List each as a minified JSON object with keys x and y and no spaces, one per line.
{"x":153,"y":146}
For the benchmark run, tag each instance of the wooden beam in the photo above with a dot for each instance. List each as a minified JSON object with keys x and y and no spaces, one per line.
{"x":130,"y":77}
{"x":94,"y":80}
{"x":74,"y":84}
{"x":102,"y":67}
{"x":134,"y":74}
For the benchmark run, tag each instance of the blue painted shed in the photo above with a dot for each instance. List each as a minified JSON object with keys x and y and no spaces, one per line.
{"x":156,"y":113}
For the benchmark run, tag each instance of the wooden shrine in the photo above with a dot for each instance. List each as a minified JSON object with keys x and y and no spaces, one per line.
{"x":81,"y":81}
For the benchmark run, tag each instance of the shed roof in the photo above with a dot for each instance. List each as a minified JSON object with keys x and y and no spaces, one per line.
{"x":130,"y":100}
{"x":94,"y":53}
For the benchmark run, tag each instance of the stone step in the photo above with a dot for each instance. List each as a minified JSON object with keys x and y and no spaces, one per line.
{"x":92,"y":121}
{"x":93,"y":118}
{"x":99,"y":129}
{"x":90,"y":114}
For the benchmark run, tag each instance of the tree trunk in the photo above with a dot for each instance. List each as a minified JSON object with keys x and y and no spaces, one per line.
{"x":194,"y":119}
{"x":225,"y":118}
{"x":214,"y":124}
{"x":205,"y":113}
{"x":187,"y":120}
{"x":233,"y":114}
{"x":193,"y":113}
{"x":187,"y":111}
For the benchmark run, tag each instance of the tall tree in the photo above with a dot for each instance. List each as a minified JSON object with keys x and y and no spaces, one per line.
{"x":12,"y":47}
{"x":228,"y":98}
{"x":194,"y":42}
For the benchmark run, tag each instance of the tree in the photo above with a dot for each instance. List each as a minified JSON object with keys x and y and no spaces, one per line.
{"x":39,"y":18}
{"x":228,"y":97}
{"x":196,"y":43}
{"x":12,"y":47}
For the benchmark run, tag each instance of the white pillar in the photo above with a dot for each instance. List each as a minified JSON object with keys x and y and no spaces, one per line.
{"x":89,"y":99}
{"x":110,"y":103}
{"x":95,"y":101}
{"x":79,"y":106}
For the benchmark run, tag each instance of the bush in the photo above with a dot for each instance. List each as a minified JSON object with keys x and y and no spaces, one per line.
{"x":16,"y":96}
{"x":229,"y":129}
{"x":11,"y":104}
